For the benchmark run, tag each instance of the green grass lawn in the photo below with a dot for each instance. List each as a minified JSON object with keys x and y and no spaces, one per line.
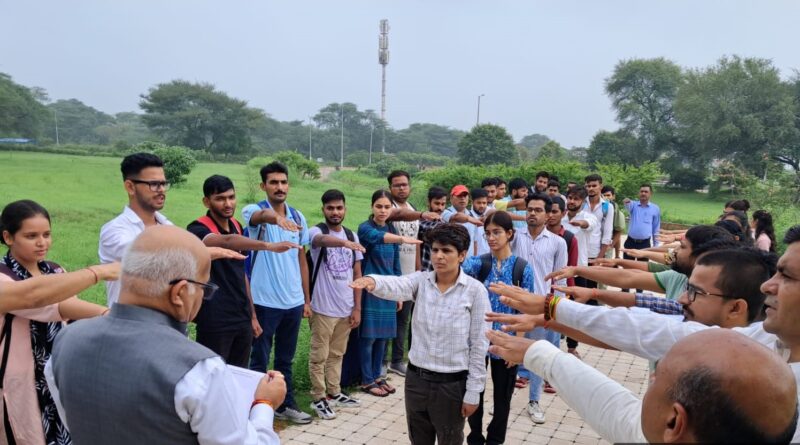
{"x":82,"y":193}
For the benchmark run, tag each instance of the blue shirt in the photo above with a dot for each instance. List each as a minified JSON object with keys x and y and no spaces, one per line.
{"x":645,"y":220}
{"x":472,"y":267}
{"x":276,"y":282}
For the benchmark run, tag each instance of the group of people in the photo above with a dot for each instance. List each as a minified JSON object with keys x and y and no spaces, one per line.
{"x":490,"y":282}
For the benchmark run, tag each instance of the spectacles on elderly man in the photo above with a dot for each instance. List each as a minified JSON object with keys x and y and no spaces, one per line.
{"x":208,"y":288}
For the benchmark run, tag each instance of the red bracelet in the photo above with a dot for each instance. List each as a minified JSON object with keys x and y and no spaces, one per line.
{"x":260,"y":401}
{"x":96,"y":278}
{"x":547,"y":300}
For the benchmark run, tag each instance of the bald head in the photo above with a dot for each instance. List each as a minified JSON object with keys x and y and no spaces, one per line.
{"x":704,"y":392}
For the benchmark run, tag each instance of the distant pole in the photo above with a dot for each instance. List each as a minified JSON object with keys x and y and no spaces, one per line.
{"x":341,"y":154}
{"x":372,"y":130}
{"x":309,"y":136}
{"x":478,"y":119}
{"x":55,"y":117}
{"x":383,"y":60}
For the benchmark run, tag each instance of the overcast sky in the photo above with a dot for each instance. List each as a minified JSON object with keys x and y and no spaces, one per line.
{"x":541,"y":65}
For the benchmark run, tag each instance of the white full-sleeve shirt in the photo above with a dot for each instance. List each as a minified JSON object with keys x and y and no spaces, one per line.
{"x":449,"y":327}
{"x":584,"y":236}
{"x":115,"y":238}
{"x":612,"y":410}
{"x":206,"y":398}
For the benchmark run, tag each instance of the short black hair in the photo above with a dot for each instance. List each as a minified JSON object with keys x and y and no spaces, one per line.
{"x":436,"y":192}
{"x":715,"y":416}
{"x":332,"y":195}
{"x":15,"y":213}
{"x":543,"y":174}
{"x":594,"y":177}
{"x":449,"y":234}
{"x":735,"y":229}
{"x":792,"y":235}
{"x":743,"y":272}
{"x":548,"y":202}
{"x":489,"y":181}
{"x":397,"y":174}
{"x":705,"y":238}
{"x":553,"y":183}
{"x":517,"y":183}
{"x":578,"y":190}
{"x":273,"y":167}
{"x":557,"y":201}
{"x":216,"y":184}
{"x":608,"y":188}
{"x":133,"y":164}
{"x":647,"y":185}
{"x":739,"y":204}
{"x":478,"y":193}
{"x":741,"y":218}
{"x":501,"y":181}
{"x":501,"y":219}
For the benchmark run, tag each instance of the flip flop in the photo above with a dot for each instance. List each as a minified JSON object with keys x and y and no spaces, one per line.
{"x":384,"y":385}
{"x":374,"y":389}
{"x":521,"y":382}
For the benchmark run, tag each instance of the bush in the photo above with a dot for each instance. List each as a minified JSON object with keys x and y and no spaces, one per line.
{"x":299,"y":163}
{"x":178,"y":161}
{"x":687,"y":179}
{"x":627,"y":179}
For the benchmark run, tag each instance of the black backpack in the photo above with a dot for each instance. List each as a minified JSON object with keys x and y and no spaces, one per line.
{"x":323,"y":254}
{"x":516,"y":275}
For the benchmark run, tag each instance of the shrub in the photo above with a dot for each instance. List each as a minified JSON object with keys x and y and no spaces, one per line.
{"x":299,"y":163}
{"x":178,"y":161}
{"x":627,"y":179}
{"x":687,"y":179}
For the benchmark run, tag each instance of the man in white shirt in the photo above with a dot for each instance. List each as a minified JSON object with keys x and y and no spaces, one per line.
{"x":102,"y":370}
{"x":702,"y":391}
{"x":146,"y":186}
{"x":581,"y":222}
{"x":604,"y":212}
{"x":447,"y":369}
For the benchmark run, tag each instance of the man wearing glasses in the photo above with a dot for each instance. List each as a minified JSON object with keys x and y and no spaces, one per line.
{"x":138,"y":359}
{"x":146,"y":186}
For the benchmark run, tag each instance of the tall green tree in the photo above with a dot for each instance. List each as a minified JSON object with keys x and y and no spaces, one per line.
{"x":609,"y":147}
{"x":198,"y":116}
{"x":532,"y":143}
{"x":738,"y":109}
{"x":21,"y":114}
{"x":426,"y":138}
{"x":487,"y":144}
{"x":552,"y":150}
{"x":77,"y":122}
{"x":642,"y":92}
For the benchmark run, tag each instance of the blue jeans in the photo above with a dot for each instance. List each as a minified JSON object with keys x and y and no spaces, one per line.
{"x":535,"y":382}
{"x":283,"y":325}
{"x":372,"y":351}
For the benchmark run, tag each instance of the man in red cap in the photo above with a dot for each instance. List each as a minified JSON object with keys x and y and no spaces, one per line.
{"x":458,"y":212}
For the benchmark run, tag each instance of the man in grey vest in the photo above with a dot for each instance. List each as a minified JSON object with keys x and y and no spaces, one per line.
{"x":133,"y":376}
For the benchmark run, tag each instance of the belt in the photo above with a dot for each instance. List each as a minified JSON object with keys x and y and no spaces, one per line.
{"x":438,"y":377}
{"x":639,"y":240}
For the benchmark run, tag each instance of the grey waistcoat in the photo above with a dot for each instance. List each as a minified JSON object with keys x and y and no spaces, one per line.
{"x":116,"y":377}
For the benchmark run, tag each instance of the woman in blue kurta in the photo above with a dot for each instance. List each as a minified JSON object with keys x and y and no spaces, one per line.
{"x":498,"y":231}
{"x":378,"y":316}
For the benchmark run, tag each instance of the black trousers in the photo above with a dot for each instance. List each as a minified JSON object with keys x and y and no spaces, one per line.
{"x":433,"y":410}
{"x":631,"y":243}
{"x":398,"y":342}
{"x":503,"y":379}
{"x":589,"y":284}
{"x":234,"y":346}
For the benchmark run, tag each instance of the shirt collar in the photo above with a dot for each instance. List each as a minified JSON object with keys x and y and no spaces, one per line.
{"x":461,"y":280}
{"x":131,"y":216}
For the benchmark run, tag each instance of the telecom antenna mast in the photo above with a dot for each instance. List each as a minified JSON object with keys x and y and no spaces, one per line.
{"x":383,"y":59}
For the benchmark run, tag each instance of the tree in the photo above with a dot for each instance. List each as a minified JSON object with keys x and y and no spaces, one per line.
{"x":552,"y":150}
{"x":198,"y":116}
{"x":487,"y":144}
{"x":21,"y":115}
{"x":788,"y":153}
{"x":738,"y":109}
{"x":643,"y":92}
{"x":77,"y":122}
{"x":126,"y":129}
{"x":532,"y":143}
{"x":426,"y":138}
{"x":613,"y":147}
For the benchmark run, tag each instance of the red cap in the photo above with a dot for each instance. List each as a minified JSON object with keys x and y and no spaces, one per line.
{"x":459,"y":190}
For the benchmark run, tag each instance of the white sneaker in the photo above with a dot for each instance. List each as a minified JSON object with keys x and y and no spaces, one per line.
{"x":384,"y":370}
{"x":343,"y":400}
{"x":293,"y":415}
{"x":323,"y":410}
{"x":536,"y":412}
{"x":491,"y":410}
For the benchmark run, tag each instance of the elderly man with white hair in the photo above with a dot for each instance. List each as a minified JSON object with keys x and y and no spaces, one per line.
{"x":133,"y":376}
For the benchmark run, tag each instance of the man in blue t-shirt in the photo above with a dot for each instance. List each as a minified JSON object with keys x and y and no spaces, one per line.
{"x":281,"y":299}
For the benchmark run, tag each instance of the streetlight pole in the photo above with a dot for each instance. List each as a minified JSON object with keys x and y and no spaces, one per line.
{"x":309,"y":136}
{"x":371,"y":131}
{"x":478,"y":119}
{"x":55,"y":117}
{"x":341,"y":154}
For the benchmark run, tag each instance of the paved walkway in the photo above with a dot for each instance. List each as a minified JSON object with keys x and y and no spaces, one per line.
{"x":383,"y":421}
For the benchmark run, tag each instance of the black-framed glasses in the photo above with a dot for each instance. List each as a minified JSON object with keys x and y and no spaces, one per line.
{"x":692,"y":292}
{"x":154,"y":185}
{"x":208,"y":288}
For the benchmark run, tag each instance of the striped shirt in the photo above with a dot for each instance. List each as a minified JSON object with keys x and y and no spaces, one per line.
{"x":448,"y":327}
{"x":658,"y":304}
{"x":546,"y":254}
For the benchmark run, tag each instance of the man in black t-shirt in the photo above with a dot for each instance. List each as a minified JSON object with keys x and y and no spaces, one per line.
{"x":226,"y":324}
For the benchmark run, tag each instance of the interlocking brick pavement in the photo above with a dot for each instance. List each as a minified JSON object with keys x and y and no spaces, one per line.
{"x":382,"y":420}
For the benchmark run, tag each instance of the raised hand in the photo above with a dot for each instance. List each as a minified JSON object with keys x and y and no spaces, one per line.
{"x":281,"y":246}
{"x":218,"y":253}
{"x":508,"y":347}
{"x":579,"y":294}
{"x":563,"y":274}
{"x":366,"y":283}
{"x":516,"y":322}
{"x":518,"y":298}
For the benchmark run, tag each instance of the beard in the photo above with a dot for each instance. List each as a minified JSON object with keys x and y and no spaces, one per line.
{"x":333,"y":223}
{"x":680,"y":268}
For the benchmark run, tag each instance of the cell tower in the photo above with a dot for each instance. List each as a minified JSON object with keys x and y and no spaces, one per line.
{"x":383,"y":59}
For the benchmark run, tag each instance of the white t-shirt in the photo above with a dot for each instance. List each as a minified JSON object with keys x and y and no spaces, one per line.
{"x":584,"y":236}
{"x":408,"y":252}
{"x":331,"y":295}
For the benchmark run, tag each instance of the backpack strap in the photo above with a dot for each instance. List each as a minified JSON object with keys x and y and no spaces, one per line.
{"x":254,"y":253}
{"x":323,"y":255}
{"x":519,"y":271}
{"x":209,"y":224}
{"x":352,"y":238}
{"x":5,"y":336}
{"x":237,"y":226}
{"x":486,"y":267}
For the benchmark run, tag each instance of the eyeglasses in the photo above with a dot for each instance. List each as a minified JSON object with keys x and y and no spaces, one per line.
{"x":493,"y":234}
{"x":399,"y":186}
{"x":692,"y":292}
{"x":154,"y":185}
{"x":208,"y":288}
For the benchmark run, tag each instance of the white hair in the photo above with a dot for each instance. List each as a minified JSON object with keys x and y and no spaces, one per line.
{"x":151,"y":271}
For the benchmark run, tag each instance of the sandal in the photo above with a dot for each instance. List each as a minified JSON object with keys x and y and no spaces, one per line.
{"x":374,"y":389}
{"x":521,"y":382}
{"x":384,"y":385}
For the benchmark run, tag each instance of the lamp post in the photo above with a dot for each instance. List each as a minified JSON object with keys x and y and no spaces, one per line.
{"x":309,"y":136}
{"x":55,"y":117}
{"x":478,"y":119}
{"x":341,"y":154}
{"x":371,"y":131}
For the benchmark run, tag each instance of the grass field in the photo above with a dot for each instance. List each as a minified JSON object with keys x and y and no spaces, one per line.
{"x":82,"y":193}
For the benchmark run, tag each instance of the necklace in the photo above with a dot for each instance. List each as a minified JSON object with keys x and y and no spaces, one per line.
{"x":499,"y":266}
